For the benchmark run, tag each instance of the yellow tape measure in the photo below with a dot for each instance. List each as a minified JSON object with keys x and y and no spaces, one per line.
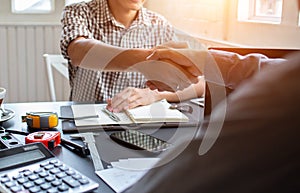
{"x":41,"y":120}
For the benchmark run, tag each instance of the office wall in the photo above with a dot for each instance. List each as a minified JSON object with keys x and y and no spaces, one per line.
{"x":24,"y":39}
{"x":217,"y":20}
{"x":194,"y":16}
{"x":22,"y":67}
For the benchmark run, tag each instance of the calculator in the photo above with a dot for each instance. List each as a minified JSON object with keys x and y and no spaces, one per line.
{"x":32,"y":168}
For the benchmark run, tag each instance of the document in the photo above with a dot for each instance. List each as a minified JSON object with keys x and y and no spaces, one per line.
{"x":126,"y":172}
{"x":156,"y":112}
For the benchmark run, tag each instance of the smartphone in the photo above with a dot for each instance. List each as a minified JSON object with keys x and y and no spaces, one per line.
{"x":138,"y":140}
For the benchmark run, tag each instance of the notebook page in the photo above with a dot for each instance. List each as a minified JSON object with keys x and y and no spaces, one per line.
{"x":81,"y":110}
{"x":156,"y":112}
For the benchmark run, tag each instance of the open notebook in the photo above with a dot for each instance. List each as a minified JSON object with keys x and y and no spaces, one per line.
{"x":156,"y":112}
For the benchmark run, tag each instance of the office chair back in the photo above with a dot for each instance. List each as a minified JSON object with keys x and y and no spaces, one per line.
{"x":57,"y":62}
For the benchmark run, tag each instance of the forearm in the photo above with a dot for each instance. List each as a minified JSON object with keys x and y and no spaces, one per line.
{"x":93,"y":54}
{"x":235,"y":68}
{"x":193,"y":91}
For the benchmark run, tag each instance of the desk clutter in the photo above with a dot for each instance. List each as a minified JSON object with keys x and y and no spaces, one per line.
{"x":156,"y":112}
{"x":33,"y":168}
{"x":7,"y":140}
{"x":40,"y":120}
{"x":91,"y":117}
{"x":43,"y":131}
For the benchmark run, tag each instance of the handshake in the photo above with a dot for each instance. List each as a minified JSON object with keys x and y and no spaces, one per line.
{"x":172,"y":66}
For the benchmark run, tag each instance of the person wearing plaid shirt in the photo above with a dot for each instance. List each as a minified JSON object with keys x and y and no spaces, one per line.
{"x":120,"y":23}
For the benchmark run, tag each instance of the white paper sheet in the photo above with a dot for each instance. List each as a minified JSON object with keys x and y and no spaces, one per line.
{"x":96,"y":109}
{"x":125,"y":172}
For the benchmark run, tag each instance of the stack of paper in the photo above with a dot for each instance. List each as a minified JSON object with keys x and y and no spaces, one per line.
{"x":125,"y":172}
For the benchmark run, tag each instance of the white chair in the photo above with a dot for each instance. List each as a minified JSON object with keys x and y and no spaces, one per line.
{"x":58,"y":63}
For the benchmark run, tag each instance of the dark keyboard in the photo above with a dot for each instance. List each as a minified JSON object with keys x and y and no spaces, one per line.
{"x":47,"y":176}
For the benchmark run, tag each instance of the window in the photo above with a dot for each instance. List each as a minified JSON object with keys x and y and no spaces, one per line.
{"x":32,"y":6}
{"x":260,"y":10}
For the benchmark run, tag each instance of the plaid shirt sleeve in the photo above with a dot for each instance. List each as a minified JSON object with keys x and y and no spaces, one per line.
{"x":169,"y":32}
{"x":74,"y":24}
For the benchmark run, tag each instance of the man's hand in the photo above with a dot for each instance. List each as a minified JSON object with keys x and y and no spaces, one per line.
{"x":132,"y":97}
{"x":187,"y":64}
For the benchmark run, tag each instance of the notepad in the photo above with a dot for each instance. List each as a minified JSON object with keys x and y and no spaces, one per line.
{"x":155,"y":112}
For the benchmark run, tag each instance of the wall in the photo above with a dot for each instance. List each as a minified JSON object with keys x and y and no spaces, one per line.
{"x":287,"y":34}
{"x":22,"y":67}
{"x":217,"y":20}
{"x":24,"y":39}
{"x":200,"y":17}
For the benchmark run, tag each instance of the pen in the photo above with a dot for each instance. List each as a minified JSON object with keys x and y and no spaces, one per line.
{"x":111,"y":115}
{"x":78,"y":118}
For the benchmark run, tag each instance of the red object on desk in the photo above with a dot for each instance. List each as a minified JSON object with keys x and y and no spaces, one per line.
{"x":49,"y":138}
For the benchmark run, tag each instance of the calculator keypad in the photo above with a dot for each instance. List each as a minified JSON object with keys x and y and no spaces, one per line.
{"x":46,"y":177}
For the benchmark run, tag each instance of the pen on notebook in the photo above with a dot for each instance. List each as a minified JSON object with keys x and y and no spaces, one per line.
{"x":78,"y":118}
{"x":111,"y":115}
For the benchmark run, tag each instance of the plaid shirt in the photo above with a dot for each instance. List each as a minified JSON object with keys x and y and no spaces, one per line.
{"x":94,"y":20}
